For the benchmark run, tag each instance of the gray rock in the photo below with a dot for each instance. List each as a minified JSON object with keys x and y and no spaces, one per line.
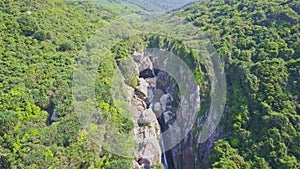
{"x":143,"y":86}
{"x":137,"y":56}
{"x":151,"y":81}
{"x":145,"y":63}
{"x":168,"y":117}
{"x":157,"y":109}
{"x":165,"y":100}
{"x":147,"y":118}
{"x":227,"y":109}
{"x":54,"y":117}
{"x":145,"y":163}
{"x":136,"y":165}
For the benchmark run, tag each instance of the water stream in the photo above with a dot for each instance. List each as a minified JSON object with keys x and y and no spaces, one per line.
{"x":164,"y":157}
{"x":165,"y":162}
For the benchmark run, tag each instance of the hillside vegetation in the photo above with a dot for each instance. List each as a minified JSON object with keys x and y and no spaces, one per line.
{"x":38,"y":43}
{"x":259,"y":42}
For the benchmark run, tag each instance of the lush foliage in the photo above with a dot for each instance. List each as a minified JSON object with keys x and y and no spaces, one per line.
{"x":259,"y":42}
{"x":38,"y":43}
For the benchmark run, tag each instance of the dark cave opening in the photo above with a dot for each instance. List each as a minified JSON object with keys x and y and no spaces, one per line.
{"x":148,"y":73}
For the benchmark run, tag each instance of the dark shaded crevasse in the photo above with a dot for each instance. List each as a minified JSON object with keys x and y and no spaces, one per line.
{"x":147,"y":73}
{"x":52,"y":117}
{"x":165,"y":85}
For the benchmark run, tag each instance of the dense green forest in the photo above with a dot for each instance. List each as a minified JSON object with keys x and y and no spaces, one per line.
{"x":258,"y":40}
{"x":39,"y":41}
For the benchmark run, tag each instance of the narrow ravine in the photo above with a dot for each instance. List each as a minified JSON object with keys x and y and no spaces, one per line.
{"x":151,"y":107}
{"x":164,"y":161}
{"x":152,"y":101}
{"x":156,"y":107}
{"x":164,"y":157}
{"x":158,"y":95}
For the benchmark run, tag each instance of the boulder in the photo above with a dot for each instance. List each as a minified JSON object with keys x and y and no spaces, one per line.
{"x":151,"y":81}
{"x":145,"y":163}
{"x":143,"y":86}
{"x":145,"y":63}
{"x":147,"y":117}
{"x":147,"y":135}
{"x":157,"y":94}
{"x":137,"y":56}
{"x":157,"y":109}
{"x":136,"y":165}
{"x":165,"y":100}
{"x":169,"y":117}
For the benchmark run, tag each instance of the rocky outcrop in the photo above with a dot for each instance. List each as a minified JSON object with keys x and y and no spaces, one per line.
{"x":176,"y":106}
{"x":146,"y":134}
{"x":146,"y":130}
{"x":157,"y":105}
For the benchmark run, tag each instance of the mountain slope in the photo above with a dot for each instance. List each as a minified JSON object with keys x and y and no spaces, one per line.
{"x":38,"y":43}
{"x":259,"y":42}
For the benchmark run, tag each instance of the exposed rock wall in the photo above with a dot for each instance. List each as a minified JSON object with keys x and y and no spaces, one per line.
{"x":146,"y":130}
{"x":155,"y":105}
{"x":180,"y":156}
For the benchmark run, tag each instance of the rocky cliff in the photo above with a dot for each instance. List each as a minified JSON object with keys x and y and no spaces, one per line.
{"x":158,"y":106}
{"x":146,"y":127}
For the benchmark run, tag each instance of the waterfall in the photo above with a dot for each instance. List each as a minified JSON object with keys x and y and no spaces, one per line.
{"x":153,"y":73}
{"x":164,"y":157}
{"x":165,"y":162}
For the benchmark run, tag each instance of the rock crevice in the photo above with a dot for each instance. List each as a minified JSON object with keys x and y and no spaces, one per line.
{"x":156,"y":104}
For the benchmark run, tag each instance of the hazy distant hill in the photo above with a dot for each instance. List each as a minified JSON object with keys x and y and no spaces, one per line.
{"x":128,"y":6}
{"x":158,"y":5}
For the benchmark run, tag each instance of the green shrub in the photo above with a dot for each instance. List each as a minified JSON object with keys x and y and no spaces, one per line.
{"x":42,"y":35}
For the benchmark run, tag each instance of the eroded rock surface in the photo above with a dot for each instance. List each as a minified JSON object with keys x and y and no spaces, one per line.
{"x":146,"y":130}
{"x":155,"y":106}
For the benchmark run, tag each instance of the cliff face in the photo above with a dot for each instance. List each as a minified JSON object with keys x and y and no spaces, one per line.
{"x":191,"y":152}
{"x":180,"y":156}
{"x":160,"y":107}
{"x":146,"y":128}
{"x":204,"y":149}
